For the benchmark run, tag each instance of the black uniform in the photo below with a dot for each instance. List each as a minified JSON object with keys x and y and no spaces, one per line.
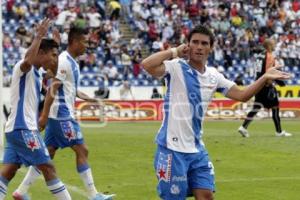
{"x":268,"y":95}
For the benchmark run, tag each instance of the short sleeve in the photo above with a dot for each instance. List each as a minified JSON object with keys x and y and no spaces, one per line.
{"x":170,"y":65}
{"x":223,"y":83}
{"x":17,"y":69}
{"x":62,"y":70}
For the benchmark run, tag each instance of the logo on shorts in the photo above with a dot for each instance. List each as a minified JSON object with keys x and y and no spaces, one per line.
{"x":68,"y":130}
{"x":175,"y":189}
{"x":31,"y":140}
{"x":164,"y":167}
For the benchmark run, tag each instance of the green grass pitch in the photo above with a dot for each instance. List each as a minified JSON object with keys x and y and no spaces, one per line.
{"x":261,"y":167}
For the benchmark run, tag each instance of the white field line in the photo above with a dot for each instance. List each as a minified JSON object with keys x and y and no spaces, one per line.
{"x":260,"y":179}
{"x":69,"y":187}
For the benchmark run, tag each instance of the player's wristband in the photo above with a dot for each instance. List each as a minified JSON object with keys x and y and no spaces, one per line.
{"x":174,"y":52}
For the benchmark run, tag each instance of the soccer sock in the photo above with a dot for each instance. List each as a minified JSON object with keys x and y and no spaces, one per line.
{"x":32,"y":174}
{"x":58,"y":189}
{"x":250,"y":116}
{"x":276,"y":119}
{"x":3,"y":187}
{"x":85,"y":173}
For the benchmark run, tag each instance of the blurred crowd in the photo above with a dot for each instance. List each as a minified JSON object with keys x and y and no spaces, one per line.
{"x":239,"y":26}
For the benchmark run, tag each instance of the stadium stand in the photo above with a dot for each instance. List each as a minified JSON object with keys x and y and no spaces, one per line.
{"x":239,"y":28}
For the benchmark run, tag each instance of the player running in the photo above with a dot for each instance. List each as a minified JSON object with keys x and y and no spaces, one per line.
{"x":62,"y":129}
{"x":182,"y":165}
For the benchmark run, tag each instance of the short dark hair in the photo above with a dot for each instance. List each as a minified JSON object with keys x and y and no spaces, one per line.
{"x":48,"y":44}
{"x":202,"y":30}
{"x":75,"y":33}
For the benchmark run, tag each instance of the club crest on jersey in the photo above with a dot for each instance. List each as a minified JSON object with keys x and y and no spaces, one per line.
{"x":68,"y":130}
{"x":163,"y":168}
{"x":212,"y":79}
{"x":31,"y":140}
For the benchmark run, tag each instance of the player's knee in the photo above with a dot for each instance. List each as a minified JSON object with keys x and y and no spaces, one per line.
{"x":52,"y":151}
{"x":47,"y":169}
{"x":83,"y":152}
{"x":206,"y":196}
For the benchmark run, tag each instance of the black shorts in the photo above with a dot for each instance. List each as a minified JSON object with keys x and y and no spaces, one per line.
{"x":268,"y":97}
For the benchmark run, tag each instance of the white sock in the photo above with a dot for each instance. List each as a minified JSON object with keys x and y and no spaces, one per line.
{"x":32,"y":174}
{"x":85,"y":173}
{"x":3,"y":187}
{"x":58,"y":189}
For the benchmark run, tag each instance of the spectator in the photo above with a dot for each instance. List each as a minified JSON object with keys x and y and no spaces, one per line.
{"x":6,"y":78}
{"x":155,"y":94}
{"x":112,"y":71}
{"x":126,"y":92}
{"x":136,"y":60}
{"x":126,"y":61}
{"x":115,"y":8}
{"x":94,"y":18}
{"x":103,"y":90}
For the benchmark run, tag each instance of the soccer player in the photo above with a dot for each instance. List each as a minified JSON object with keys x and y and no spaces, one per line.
{"x":62,"y":129}
{"x":24,"y":142}
{"x":267,"y":97}
{"x":182,"y":165}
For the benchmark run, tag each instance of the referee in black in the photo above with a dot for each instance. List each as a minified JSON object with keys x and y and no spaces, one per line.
{"x":267,"y":97}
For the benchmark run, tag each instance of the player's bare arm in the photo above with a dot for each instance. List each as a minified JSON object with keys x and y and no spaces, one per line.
{"x":245,"y":94}
{"x":48,"y":102}
{"x":154,"y":63}
{"x":33,"y":50}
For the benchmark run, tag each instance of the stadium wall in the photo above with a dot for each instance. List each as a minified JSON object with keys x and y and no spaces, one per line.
{"x":144,"y":93}
{"x":152,"y":110}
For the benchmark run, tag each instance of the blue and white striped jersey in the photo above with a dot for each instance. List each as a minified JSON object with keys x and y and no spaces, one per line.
{"x":25,"y":99}
{"x":68,"y":73}
{"x":188,"y":94}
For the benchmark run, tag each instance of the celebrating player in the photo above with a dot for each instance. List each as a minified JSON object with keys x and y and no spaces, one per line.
{"x":62,"y":130}
{"x":182,"y":165}
{"x":24,"y":142}
{"x":267,"y":97}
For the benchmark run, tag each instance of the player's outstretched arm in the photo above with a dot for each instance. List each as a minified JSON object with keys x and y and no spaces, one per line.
{"x":245,"y":94}
{"x":48,"y":102}
{"x":33,"y":50}
{"x":154,"y":63}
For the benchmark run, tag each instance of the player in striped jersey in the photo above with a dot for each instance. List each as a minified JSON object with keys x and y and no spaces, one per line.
{"x":182,"y":164}
{"x":24,"y":142}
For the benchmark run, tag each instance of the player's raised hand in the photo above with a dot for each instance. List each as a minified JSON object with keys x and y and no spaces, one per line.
{"x":183,"y":50}
{"x":274,"y":73}
{"x":56,"y":36}
{"x":42,"y":28}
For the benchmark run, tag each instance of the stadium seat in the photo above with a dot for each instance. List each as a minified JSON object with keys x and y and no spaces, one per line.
{"x":145,"y":82}
{"x":85,"y":69}
{"x":120,"y":76}
{"x":116,"y":83}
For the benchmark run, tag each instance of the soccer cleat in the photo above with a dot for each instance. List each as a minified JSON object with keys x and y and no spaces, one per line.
{"x":244,"y":132}
{"x":283,"y":134}
{"x":100,"y":196}
{"x":17,"y":196}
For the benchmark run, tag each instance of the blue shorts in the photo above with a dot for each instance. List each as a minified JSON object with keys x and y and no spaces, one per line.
{"x":63,"y":133}
{"x":25,"y":147}
{"x":178,"y":173}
